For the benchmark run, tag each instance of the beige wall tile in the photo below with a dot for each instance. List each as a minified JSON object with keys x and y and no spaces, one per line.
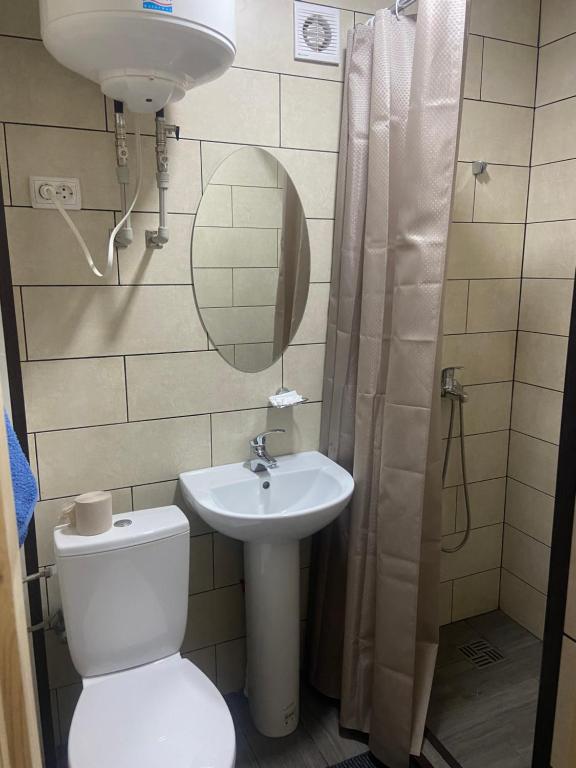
{"x":248,"y":166}
{"x":254,"y":287}
{"x":455,"y":306}
{"x":60,"y":394}
{"x":486,"y":357}
{"x":187,"y":383}
{"x":537,"y":412}
{"x":523,"y":603}
{"x":563,"y":745}
{"x":553,"y":139}
{"x":253,"y":357}
{"x":201,"y":564}
{"x":163,"y":494}
{"x":214,"y":617}
{"x":541,"y":360}
{"x":239,"y":325}
{"x":241,"y":106}
{"x":464,"y":187}
{"x":526,"y":558}
{"x":546,"y":306}
{"x":558,"y":19}
{"x":232,"y":431}
{"x":68,"y":697}
{"x":275,"y":51}
{"x":445,"y":603}
{"x":215,"y":209}
{"x":488,"y":407}
{"x":449,"y":497}
{"x":545,"y":202}
{"x":473,"y":67}
{"x":550,"y":250}
{"x":205,"y":660}
{"x":530,"y":511}
{"x":481,"y":553}
{"x":533,"y":462}
{"x":502,"y":194}
{"x":485,"y":250}
{"x":310,"y":113}
{"x":213,"y":287}
{"x":70,"y":462}
{"x":37,"y":151}
{"x":228,"y":561}
{"x":515,"y":20}
{"x":257,"y":207}
{"x":312,"y":329}
{"x":36,"y":89}
{"x":486,"y":457}
{"x":231,"y":665}
{"x":20,"y":19}
{"x":509,"y":73}
{"x":321,"y":234}
{"x":47,"y":515}
{"x":476,"y":594}
{"x":493,"y":305}
{"x":314,"y":176}
{"x":486,"y":503}
{"x":43,"y":250}
{"x":486,"y":130}
{"x":223,"y":247}
{"x":4,"y":168}
{"x":304,"y":369}
{"x":141,"y":265}
{"x":61,"y":671}
{"x":556,"y":75}
{"x":82,"y":322}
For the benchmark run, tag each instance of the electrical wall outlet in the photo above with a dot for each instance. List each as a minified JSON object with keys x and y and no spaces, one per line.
{"x":67,"y":192}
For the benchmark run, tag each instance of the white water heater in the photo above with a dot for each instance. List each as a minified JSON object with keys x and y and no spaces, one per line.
{"x":145,"y":53}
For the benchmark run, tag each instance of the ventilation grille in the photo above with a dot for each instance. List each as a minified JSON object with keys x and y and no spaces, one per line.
{"x":481,"y":653}
{"x":316,"y":33}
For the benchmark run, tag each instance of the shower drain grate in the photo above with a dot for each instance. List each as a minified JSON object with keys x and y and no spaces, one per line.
{"x":481,"y":653}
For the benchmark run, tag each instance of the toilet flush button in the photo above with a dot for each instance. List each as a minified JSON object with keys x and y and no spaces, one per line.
{"x":122,"y":523}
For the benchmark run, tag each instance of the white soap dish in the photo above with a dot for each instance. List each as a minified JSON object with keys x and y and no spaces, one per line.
{"x":286,"y":398}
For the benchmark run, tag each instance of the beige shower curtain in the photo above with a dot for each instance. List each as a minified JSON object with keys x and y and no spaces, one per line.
{"x":374,"y":629}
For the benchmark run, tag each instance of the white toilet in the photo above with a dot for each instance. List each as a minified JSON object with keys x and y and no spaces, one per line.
{"x":125,"y":598}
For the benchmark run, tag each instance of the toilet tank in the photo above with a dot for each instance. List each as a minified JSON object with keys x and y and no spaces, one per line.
{"x":125,"y":592}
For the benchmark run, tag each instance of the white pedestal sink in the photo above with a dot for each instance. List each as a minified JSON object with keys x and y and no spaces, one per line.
{"x":270,"y":512}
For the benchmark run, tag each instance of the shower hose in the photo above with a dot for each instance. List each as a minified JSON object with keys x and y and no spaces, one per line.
{"x":459,"y":546}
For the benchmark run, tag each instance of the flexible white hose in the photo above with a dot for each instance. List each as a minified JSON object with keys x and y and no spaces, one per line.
{"x":81,"y":242}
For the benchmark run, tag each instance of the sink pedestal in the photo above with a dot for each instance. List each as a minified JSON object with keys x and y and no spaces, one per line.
{"x":272,"y":572}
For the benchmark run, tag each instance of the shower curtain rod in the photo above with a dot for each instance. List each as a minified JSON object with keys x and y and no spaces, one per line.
{"x":401,"y":6}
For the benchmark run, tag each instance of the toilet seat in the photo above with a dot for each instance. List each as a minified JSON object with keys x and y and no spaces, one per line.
{"x":166,"y":714}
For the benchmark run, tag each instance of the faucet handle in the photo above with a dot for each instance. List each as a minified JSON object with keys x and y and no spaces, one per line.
{"x":260,"y":439}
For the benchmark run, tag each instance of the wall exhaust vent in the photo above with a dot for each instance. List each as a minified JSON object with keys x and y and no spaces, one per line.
{"x":316,"y":33}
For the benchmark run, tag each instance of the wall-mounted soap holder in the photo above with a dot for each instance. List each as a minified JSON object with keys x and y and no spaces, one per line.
{"x":297,"y":399}
{"x":479,"y":167}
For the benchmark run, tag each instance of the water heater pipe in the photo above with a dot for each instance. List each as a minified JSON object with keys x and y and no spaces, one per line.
{"x":125,"y":236}
{"x":156,"y":239}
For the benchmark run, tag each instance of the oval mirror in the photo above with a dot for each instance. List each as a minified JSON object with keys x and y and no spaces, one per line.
{"x":251,"y":259}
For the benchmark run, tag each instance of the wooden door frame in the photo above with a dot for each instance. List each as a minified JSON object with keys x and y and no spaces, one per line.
{"x":19,"y":735}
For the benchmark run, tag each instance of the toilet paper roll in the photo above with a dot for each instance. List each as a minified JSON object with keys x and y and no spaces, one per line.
{"x":92,"y":513}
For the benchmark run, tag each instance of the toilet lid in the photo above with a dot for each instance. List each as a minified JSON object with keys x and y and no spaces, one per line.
{"x":162,"y":715}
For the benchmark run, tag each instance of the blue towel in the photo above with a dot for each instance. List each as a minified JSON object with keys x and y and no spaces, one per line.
{"x":23,"y":482}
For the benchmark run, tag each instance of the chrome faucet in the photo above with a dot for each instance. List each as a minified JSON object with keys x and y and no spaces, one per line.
{"x":262,"y":461}
{"x":450,"y":386}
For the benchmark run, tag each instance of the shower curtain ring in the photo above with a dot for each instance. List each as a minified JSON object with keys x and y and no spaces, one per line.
{"x":397,"y":10}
